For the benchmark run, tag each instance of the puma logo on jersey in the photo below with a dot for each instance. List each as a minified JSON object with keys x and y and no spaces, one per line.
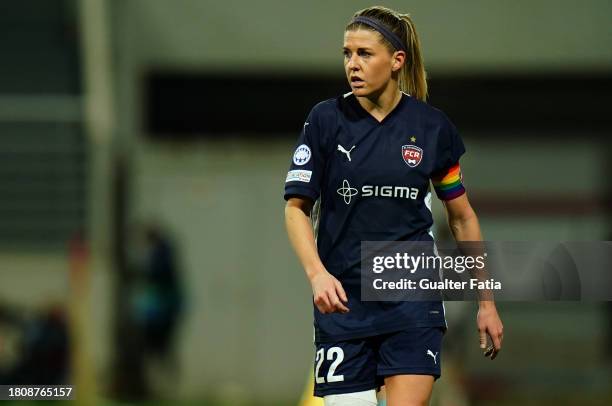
{"x":432,"y":355}
{"x":344,"y":151}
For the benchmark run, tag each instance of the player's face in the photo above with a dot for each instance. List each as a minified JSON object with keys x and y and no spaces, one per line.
{"x":368,"y":63}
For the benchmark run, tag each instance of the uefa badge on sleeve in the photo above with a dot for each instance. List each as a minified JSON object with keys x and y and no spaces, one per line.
{"x":412,"y":155}
{"x":302,"y":154}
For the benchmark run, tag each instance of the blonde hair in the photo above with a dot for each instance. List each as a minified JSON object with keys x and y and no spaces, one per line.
{"x":413,"y":78}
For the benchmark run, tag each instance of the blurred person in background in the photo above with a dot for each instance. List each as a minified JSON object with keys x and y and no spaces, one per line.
{"x":382,"y":133}
{"x":158,"y":305}
{"x":39,"y":343}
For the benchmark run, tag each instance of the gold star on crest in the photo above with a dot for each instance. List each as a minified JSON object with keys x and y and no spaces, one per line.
{"x":412,"y":139}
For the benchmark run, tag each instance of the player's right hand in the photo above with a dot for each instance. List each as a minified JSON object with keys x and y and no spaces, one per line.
{"x":328,"y":293}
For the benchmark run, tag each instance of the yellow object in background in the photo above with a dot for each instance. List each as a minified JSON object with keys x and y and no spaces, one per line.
{"x":307,"y":397}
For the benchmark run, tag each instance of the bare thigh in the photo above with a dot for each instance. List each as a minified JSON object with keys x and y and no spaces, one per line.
{"x":408,"y":390}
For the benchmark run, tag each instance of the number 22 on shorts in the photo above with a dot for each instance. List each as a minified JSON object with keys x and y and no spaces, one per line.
{"x":334,"y":354}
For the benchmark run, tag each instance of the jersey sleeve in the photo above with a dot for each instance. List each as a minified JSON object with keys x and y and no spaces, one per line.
{"x":446,"y":175}
{"x":308,"y":161}
{"x":450,"y":147}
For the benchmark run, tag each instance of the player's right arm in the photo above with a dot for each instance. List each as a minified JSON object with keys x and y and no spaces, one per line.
{"x":328,"y":294}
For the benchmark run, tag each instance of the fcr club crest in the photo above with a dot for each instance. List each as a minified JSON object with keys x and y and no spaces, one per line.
{"x":412,"y":155}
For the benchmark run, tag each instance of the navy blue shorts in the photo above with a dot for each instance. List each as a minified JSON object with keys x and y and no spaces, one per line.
{"x":362,"y":364}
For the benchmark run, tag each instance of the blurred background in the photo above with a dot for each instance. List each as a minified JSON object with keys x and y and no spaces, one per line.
{"x":144,"y":148}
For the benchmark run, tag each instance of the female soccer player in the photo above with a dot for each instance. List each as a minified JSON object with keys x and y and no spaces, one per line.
{"x":366,"y":159}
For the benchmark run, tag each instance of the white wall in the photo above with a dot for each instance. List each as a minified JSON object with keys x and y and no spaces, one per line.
{"x":249,"y":323}
{"x":466,"y":35}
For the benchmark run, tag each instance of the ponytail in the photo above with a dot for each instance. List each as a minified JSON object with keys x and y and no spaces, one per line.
{"x":413,"y":78}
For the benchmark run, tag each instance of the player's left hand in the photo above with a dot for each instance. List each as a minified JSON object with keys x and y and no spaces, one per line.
{"x":490,"y":329}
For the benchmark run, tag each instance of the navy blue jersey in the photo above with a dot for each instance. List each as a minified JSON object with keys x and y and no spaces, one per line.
{"x":371,"y":181}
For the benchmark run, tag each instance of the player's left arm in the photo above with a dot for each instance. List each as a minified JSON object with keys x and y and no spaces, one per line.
{"x":464,"y":225}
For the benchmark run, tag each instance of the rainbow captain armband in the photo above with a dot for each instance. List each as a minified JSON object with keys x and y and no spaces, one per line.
{"x":448,"y":184}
